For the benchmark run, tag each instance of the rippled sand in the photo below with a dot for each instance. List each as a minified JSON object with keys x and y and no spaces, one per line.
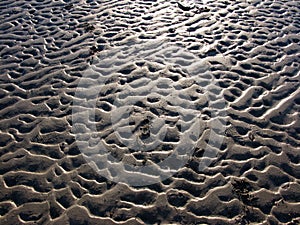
{"x":250,"y":49}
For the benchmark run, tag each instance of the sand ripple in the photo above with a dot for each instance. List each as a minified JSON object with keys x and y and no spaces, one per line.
{"x":252,"y":49}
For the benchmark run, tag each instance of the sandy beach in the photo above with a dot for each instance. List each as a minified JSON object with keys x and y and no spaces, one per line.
{"x":149,"y":112}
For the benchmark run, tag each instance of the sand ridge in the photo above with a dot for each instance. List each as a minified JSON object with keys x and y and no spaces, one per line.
{"x":252,"y":48}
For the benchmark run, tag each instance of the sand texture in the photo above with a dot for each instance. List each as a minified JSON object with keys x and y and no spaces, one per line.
{"x":217,"y":79}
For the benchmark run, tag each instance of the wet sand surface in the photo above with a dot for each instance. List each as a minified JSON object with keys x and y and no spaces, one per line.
{"x":250,"y":48}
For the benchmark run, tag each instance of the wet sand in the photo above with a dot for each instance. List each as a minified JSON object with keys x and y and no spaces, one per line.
{"x":251,"y":50}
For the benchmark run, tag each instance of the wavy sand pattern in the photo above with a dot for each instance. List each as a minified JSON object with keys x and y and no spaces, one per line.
{"x":252,"y":51}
